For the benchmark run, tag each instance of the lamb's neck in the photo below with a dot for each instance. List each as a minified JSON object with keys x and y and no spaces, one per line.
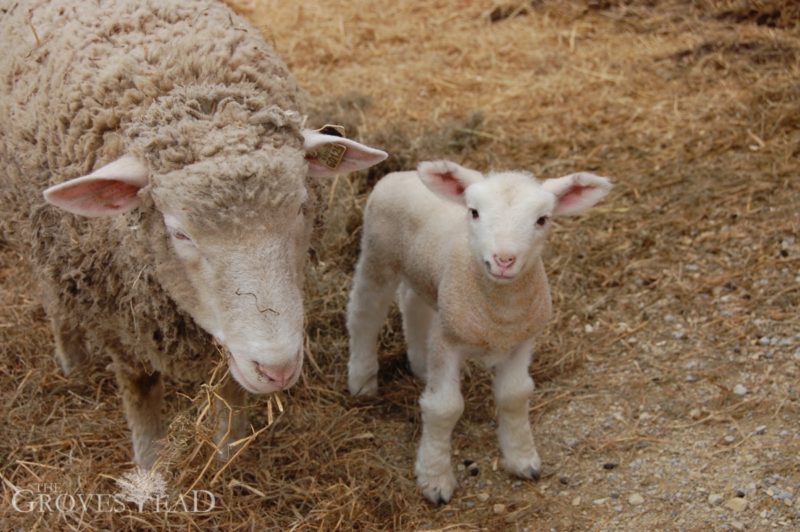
{"x":509,"y":301}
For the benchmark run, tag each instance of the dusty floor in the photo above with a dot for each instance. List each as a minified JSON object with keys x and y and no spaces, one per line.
{"x":668,"y":380}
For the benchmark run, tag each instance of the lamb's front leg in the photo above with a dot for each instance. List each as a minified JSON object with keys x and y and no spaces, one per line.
{"x":442,"y":405}
{"x":513,"y":387}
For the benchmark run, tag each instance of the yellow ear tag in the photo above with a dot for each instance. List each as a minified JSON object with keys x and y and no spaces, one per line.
{"x":331,"y":154}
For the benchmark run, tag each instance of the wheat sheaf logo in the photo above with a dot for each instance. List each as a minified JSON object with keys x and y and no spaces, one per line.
{"x":138,"y":490}
{"x":140,"y":486}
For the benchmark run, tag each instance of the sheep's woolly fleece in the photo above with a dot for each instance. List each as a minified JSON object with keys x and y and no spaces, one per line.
{"x":178,"y":84}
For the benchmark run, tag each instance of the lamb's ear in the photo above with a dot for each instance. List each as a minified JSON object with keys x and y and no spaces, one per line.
{"x":448,"y":179}
{"x":107,"y":191}
{"x":330,"y":155}
{"x":577,"y":192}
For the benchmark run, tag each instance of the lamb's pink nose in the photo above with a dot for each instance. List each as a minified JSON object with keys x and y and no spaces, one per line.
{"x":504,"y":261}
{"x":277,"y":375}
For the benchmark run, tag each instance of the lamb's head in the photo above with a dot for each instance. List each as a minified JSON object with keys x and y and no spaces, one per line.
{"x":223,"y":214}
{"x":508,"y":213}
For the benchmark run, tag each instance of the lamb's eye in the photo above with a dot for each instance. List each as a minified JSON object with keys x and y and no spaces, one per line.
{"x":474,"y":214}
{"x":542,"y":220}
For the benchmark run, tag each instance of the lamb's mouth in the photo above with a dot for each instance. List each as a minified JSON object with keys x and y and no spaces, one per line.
{"x":503,"y":277}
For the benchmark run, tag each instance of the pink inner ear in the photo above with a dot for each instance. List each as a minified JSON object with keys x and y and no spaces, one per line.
{"x":450,"y":184}
{"x":572,"y":195}
{"x":97,"y":195}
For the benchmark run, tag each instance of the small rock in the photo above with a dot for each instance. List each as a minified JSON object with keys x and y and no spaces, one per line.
{"x":737,"y":525}
{"x":729,"y":439}
{"x":599,"y":502}
{"x":679,"y":335}
{"x":636,"y":499}
{"x":576,"y":501}
{"x":564,"y":480}
{"x":460,"y":467}
{"x":588,"y":328}
{"x":761,"y":429}
{"x":764,"y":340}
{"x":483,"y":496}
{"x":737,"y":504}
{"x":610,"y":465}
{"x":499,"y":509}
{"x":740,"y":389}
{"x":691,"y":378}
{"x":695,"y":413}
{"x":715,"y":499}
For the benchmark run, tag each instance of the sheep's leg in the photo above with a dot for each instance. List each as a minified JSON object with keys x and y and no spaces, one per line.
{"x":442,"y":405}
{"x":70,"y":351}
{"x":70,"y":343}
{"x":370,"y":299}
{"x":231,"y":417}
{"x":143,"y":399}
{"x":513,"y":387}
{"x":417,"y":319}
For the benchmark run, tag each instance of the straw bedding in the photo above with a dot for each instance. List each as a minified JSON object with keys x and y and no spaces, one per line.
{"x":670,"y":298}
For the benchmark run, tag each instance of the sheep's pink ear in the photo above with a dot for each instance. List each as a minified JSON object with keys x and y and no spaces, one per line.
{"x":448,"y":179}
{"x":112,"y":189}
{"x":330,"y":154}
{"x":577,"y":192}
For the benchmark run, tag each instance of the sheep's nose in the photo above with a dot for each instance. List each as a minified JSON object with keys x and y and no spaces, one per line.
{"x":504,"y":261}
{"x":277,"y":375}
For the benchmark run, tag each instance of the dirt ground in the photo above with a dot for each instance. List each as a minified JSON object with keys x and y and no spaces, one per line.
{"x":667,"y":383}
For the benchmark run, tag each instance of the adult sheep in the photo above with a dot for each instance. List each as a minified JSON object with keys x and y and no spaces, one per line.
{"x":191,"y":219}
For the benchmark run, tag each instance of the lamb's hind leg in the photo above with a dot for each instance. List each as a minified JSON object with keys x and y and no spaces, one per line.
{"x":374,"y":286}
{"x":143,"y":399}
{"x":417,"y":319}
{"x":513,"y":387}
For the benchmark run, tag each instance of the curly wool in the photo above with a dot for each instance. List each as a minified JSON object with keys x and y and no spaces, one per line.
{"x":81,"y":83}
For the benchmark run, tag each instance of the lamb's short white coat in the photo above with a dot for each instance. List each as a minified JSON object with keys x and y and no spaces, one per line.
{"x":465,"y":262}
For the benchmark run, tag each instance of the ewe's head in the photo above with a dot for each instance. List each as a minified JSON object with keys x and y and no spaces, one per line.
{"x":508,"y":213}
{"x":222,"y":197}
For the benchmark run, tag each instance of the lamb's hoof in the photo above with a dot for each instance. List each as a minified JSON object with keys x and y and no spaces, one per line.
{"x":438,"y":489}
{"x":363,"y":386}
{"x":528,"y":468}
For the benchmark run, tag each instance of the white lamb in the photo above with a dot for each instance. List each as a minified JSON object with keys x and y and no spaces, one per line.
{"x":467,"y":261}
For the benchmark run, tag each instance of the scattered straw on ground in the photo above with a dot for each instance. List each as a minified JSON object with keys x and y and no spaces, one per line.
{"x":670,"y":371}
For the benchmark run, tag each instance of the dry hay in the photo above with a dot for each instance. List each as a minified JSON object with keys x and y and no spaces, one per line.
{"x":680,"y":286}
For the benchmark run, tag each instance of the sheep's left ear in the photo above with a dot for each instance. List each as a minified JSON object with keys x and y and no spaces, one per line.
{"x":110,"y":190}
{"x":577,"y":192}
{"x":329,"y":154}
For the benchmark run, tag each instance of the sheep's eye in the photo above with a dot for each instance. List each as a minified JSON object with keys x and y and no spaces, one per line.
{"x":542,"y":220}
{"x":177,"y":235}
{"x":474,"y":214}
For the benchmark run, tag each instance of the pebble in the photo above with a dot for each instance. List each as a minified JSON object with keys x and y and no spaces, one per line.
{"x":740,"y":389}
{"x":715,"y":499}
{"x":636,"y":499}
{"x":483,"y":496}
{"x":729,"y":439}
{"x":576,"y":501}
{"x":761,"y":429}
{"x":695,"y":413}
{"x":599,"y":502}
{"x":737,"y":504}
{"x":499,"y":508}
{"x":691,"y":378}
{"x":737,"y":525}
